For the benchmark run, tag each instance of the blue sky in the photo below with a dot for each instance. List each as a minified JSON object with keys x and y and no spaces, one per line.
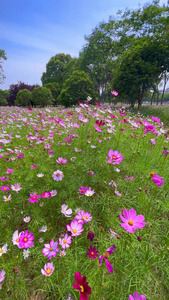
{"x":32,"y":31}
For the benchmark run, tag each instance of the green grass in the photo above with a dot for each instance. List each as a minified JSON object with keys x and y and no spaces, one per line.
{"x":137,"y":266}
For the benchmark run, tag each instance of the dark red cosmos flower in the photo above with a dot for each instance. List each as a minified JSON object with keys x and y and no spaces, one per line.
{"x":82,"y":286}
{"x":90,"y":234}
{"x":92,"y":252}
{"x":101,"y":123}
{"x":29,"y":108}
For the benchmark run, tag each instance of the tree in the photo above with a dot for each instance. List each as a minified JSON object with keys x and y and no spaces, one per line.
{"x":2,"y":58}
{"x":42,"y":96}
{"x":77,"y":87}
{"x":54,"y":87}
{"x":3,"y":95}
{"x":59,"y":68}
{"x":23,"y":98}
{"x":15,"y":88}
{"x":139,"y":68}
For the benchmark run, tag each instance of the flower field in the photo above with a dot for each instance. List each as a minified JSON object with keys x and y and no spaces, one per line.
{"x":84,"y":206}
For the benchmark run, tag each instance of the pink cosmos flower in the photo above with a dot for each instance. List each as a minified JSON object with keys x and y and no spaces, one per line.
{"x":92,"y":253}
{"x":82,"y":286}
{"x":50,"y":249}
{"x":34,"y":198}
{"x":97,"y":128}
{"x":114,"y":93}
{"x":117,"y":193}
{"x":20,"y":155}
{"x":100,"y":123}
{"x":83,"y":190}
{"x":16,"y":187}
{"x":48,"y":269}
{"x":27,"y":219}
{"x":115,"y":157}
{"x":65,"y":211}
{"x":165,"y":152}
{"x":33,"y":167}
{"x":46,"y":194}
{"x":131,"y":221}
{"x":3,"y":178}
{"x":155,"y":119}
{"x":2,"y":275}
{"x":158,"y":180}
{"x":112,"y":184}
{"x":153,"y":141}
{"x":53,"y":193}
{"x":5,"y":188}
{"x":129,"y":178}
{"x":90,"y":173}
{"x":26,"y":239}
{"x":137,"y":297}
{"x":150,"y":128}
{"x":8,"y":198}
{"x":106,"y":256}
{"x":58,"y":175}
{"x":62,"y":254}
{"x":83,"y":217}
{"x":61,"y":160}
{"x":75,"y":228}
{"x":65,"y":242}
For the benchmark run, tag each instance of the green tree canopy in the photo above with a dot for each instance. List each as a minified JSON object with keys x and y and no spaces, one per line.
{"x":23,"y":98}
{"x":78,"y":87}
{"x":2,"y":58}
{"x":59,"y":68}
{"x":42,"y":96}
{"x":3,"y":95}
{"x":55,"y":88}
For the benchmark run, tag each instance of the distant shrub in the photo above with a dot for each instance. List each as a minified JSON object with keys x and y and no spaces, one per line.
{"x":42,"y":96}
{"x":23,"y":98}
{"x":3,"y":95}
{"x":77,"y":87}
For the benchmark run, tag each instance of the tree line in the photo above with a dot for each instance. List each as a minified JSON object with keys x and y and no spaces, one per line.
{"x":129,"y":53}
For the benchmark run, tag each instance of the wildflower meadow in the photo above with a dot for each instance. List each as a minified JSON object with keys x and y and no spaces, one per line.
{"x":84,"y":205}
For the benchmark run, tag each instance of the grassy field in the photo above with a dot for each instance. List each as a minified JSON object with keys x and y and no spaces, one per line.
{"x":50,"y":157}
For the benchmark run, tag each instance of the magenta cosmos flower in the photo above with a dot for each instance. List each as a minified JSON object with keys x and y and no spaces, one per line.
{"x":2,"y":275}
{"x":137,"y":297}
{"x":58,"y":175}
{"x":26,"y":239}
{"x":34,"y":198}
{"x":157,"y":180}
{"x":65,"y":242}
{"x":90,"y":234}
{"x":131,"y":221}
{"x":61,"y":160}
{"x":50,"y":249}
{"x":114,"y":158}
{"x":33,"y":167}
{"x":9,"y":171}
{"x":48,"y":269}
{"x":106,"y":256}
{"x":75,"y":228}
{"x":82,"y":286}
{"x":5,"y":188}
{"x":46,"y":194}
{"x":92,"y":253}
{"x":83,"y":190}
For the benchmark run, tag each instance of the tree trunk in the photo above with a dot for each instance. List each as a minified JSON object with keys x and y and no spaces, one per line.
{"x":165,"y":81}
{"x":152,"y":98}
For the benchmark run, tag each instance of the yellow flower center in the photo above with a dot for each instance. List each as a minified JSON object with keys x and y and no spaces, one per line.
{"x":90,"y":230}
{"x":74,"y":230}
{"x":25,"y":239}
{"x":82,"y":218}
{"x":1,"y":251}
{"x":48,"y":271}
{"x":34,"y":197}
{"x":65,"y":241}
{"x":4,"y":189}
{"x":86,"y":217}
{"x":114,"y":157}
{"x":130,"y":222}
{"x":92,"y":253}
{"x":45,"y":196}
{"x":57,"y":174}
{"x":82,"y":288}
{"x":51,"y":249}
{"x":151,"y":174}
{"x":17,"y":240}
{"x":62,"y":254}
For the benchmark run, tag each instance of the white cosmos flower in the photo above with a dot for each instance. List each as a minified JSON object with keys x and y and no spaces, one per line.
{"x":26,"y":253}
{"x":3,"y":249}
{"x":40,"y":175}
